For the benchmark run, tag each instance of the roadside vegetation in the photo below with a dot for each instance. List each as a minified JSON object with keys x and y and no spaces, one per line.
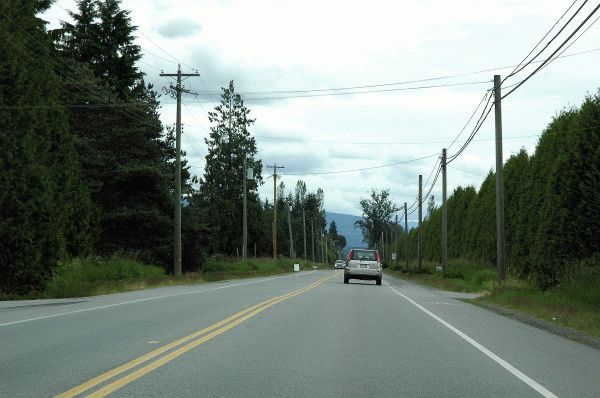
{"x":88,"y":168}
{"x":91,"y":276}
{"x":574,"y":302}
{"x":461,"y":276}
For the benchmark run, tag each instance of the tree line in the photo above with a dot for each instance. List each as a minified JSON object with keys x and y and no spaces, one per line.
{"x":87,"y":167}
{"x":552,"y":205}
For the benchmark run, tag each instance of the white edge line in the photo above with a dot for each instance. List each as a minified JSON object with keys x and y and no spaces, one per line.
{"x":147,"y":299}
{"x":516,"y":372}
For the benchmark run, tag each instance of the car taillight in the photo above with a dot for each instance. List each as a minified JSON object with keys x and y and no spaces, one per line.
{"x":377,"y":257}
{"x":350,"y":255}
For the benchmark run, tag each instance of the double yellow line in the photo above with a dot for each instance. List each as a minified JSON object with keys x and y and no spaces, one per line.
{"x":193,"y":340}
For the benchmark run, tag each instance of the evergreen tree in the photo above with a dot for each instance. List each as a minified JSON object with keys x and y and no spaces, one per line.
{"x":339,"y":241}
{"x":44,"y":208}
{"x":221,"y":187}
{"x":127,"y":158}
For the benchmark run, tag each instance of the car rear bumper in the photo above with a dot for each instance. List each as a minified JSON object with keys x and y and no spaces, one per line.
{"x":362,"y":273}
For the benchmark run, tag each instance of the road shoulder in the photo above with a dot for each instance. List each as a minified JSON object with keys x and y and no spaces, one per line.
{"x":470,"y":298}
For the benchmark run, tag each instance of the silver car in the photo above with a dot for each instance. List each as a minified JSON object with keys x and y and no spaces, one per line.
{"x":339,"y":264}
{"x":363,"y":264}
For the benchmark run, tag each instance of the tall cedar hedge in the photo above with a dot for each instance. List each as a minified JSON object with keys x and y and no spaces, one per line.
{"x":552,"y":204}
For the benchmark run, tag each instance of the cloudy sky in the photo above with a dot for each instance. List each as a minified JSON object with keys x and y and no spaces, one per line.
{"x":267,"y":46}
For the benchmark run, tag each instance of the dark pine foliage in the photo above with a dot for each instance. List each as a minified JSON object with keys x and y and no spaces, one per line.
{"x":44,"y":207}
{"x":126,"y":156}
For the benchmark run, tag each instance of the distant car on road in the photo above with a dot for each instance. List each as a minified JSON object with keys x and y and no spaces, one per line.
{"x":363,"y":264}
{"x":339,"y":264}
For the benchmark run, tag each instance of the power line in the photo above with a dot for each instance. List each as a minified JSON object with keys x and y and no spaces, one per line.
{"x":487,"y":93}
{"x":432,"y":171}
{"x":476,"y":129}
{"x":485,"y":114}
{"x":519,"y":68}
{"x":574,"y":41}
{"x":363,"y":168}
{"x":100,"y":93}
{"x":551,"y":55}
{"x":333,"y":94}
{"x":302,"y":140}
{"x":468,"y":172}
{"x":359,"y":87}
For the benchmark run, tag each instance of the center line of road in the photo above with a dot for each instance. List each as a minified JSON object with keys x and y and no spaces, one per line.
{"x":197,"y":338}
{"x":142,"y":300}
{"x":516,"y":372}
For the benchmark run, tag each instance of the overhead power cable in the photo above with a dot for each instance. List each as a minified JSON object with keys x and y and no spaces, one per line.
{"x":553,"y":53}
{"x":333,"y":94}
{"x":574,"y":41}
{"x":486,"y":111}
{"x":399,"y":83}
{"x":521,"y":66}
{"x":362,"y":168}
{"x":304,"y":140}
{"x":487,"y":94}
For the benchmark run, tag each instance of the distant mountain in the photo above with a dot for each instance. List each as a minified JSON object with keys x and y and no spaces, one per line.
{"x":345,"y":226}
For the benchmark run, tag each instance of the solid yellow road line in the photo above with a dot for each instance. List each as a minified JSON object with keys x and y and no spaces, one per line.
{"x":131,"y":364}
{"x":172,"y":355}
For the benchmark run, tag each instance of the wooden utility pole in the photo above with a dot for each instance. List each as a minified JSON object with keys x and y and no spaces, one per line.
{"x":304,"y":230}
{"x":245,"y":216}
{"x":500,"y":259}
{"x":275,"y":167}
{"x":290,"y":229}
{"x":420,"y":242}
{"x":383,"y":248}
{"x":177,"y":224}
{"x":406,"y":234}
{"x":444,"y":214}
{"x":312,"y":235}
{"x":394,"y":246}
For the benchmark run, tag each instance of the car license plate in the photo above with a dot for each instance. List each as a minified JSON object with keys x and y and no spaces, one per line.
{"x":364,"y":266}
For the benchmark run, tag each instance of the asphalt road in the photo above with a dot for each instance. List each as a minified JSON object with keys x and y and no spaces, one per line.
{"x":303,"y":334}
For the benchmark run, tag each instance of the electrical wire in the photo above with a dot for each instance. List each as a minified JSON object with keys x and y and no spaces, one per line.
{"x":520,"y":66}
{"x":555,"y":51}
{"x":574,"y":41}
{"x":477,"y":127}
{"x":467,"y":172}
{"x":444,"y":77}
{"x":302,"y":140}
{"x":333,"y":94}
{"x":362,"y":168}
{"x":487,"y":94}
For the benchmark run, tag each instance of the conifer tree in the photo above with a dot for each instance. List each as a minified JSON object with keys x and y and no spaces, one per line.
{"x":127,"y":157}
{"x":221,"y":186}
{"x":44,"y":208}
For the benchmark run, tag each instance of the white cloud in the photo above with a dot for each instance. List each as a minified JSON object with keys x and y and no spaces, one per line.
{"x":281,"y":45}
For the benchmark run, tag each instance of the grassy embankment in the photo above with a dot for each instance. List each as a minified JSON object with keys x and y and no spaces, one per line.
{"x":574,"y":302}
{"x":95,"y":275}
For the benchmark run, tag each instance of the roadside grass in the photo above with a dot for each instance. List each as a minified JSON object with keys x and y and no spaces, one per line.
{"x":217,"y":270}
{"x":92,"y":276}
{"x":460,"y":276}
{"x":574,"y":303}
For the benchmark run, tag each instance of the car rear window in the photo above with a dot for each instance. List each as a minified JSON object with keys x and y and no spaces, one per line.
{"x":366,"y":255}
